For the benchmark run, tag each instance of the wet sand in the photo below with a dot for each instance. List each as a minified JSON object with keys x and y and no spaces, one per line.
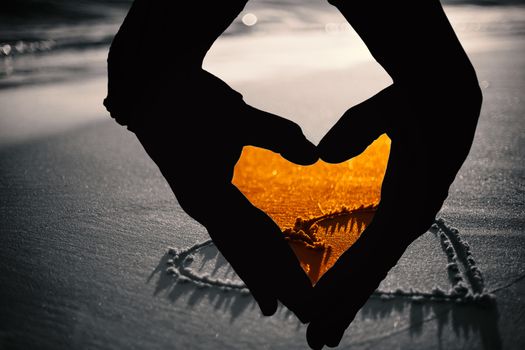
{"x":86,"y":222}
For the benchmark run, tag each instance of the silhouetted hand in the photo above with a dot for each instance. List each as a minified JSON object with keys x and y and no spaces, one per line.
{"x":194,"y":126}
{"x":430,"y":114}
{"x":197,"y":154}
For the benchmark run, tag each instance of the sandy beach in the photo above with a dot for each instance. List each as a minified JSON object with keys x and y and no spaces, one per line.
{"x":87,"y":221}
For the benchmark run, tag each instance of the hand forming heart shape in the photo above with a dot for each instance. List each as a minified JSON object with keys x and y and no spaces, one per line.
{"x":195,"y":135}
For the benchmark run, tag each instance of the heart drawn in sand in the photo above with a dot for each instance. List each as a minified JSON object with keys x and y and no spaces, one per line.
{"x":323,"y":208}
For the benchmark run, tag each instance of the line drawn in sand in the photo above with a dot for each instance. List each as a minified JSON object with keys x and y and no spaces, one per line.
{"x":467,"y":284}
{"x":461,"y":306}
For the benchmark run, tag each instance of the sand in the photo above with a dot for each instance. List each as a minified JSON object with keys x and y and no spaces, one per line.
{"x":87,"y":222}
{"x":300,"y":199}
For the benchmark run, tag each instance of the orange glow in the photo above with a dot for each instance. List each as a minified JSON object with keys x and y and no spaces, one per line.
{"x":286,"y":191}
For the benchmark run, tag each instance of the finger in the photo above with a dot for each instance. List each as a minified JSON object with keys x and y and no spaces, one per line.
{"x":329,"y":328}
{"x":408,"y":207}
{"x":315,"y":337}
{"x":279,"y":135}
{"x":248,"y":238}
{"x":327,"y":332}
{"x":266,"y":302}
{"x":238,"y":248}
{"x":358,"y":127}
{"x":415,"y":186}
{"x":205,"y":201}
{"x":255,"y":247}
{"x":346,"y":287}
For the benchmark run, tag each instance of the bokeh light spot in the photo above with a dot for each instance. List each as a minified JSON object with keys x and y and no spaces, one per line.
{"x":249,"y":19}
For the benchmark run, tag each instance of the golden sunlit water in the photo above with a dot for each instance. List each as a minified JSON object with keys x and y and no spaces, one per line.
{"x":287,"y":191}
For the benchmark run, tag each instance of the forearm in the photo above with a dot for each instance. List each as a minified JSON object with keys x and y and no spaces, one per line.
{"x":412,"y":40}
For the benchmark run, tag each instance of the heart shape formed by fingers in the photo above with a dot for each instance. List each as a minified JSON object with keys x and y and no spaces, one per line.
{"x":322,"y":209}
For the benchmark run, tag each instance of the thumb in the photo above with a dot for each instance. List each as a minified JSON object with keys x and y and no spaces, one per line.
{"x":279,"y":135}
{"x":358,"y":128}
{"x":266,"y":302}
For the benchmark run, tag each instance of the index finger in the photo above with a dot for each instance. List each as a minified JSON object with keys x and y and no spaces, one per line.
{"x":406,"y":211}
{"x":255,"y":247}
